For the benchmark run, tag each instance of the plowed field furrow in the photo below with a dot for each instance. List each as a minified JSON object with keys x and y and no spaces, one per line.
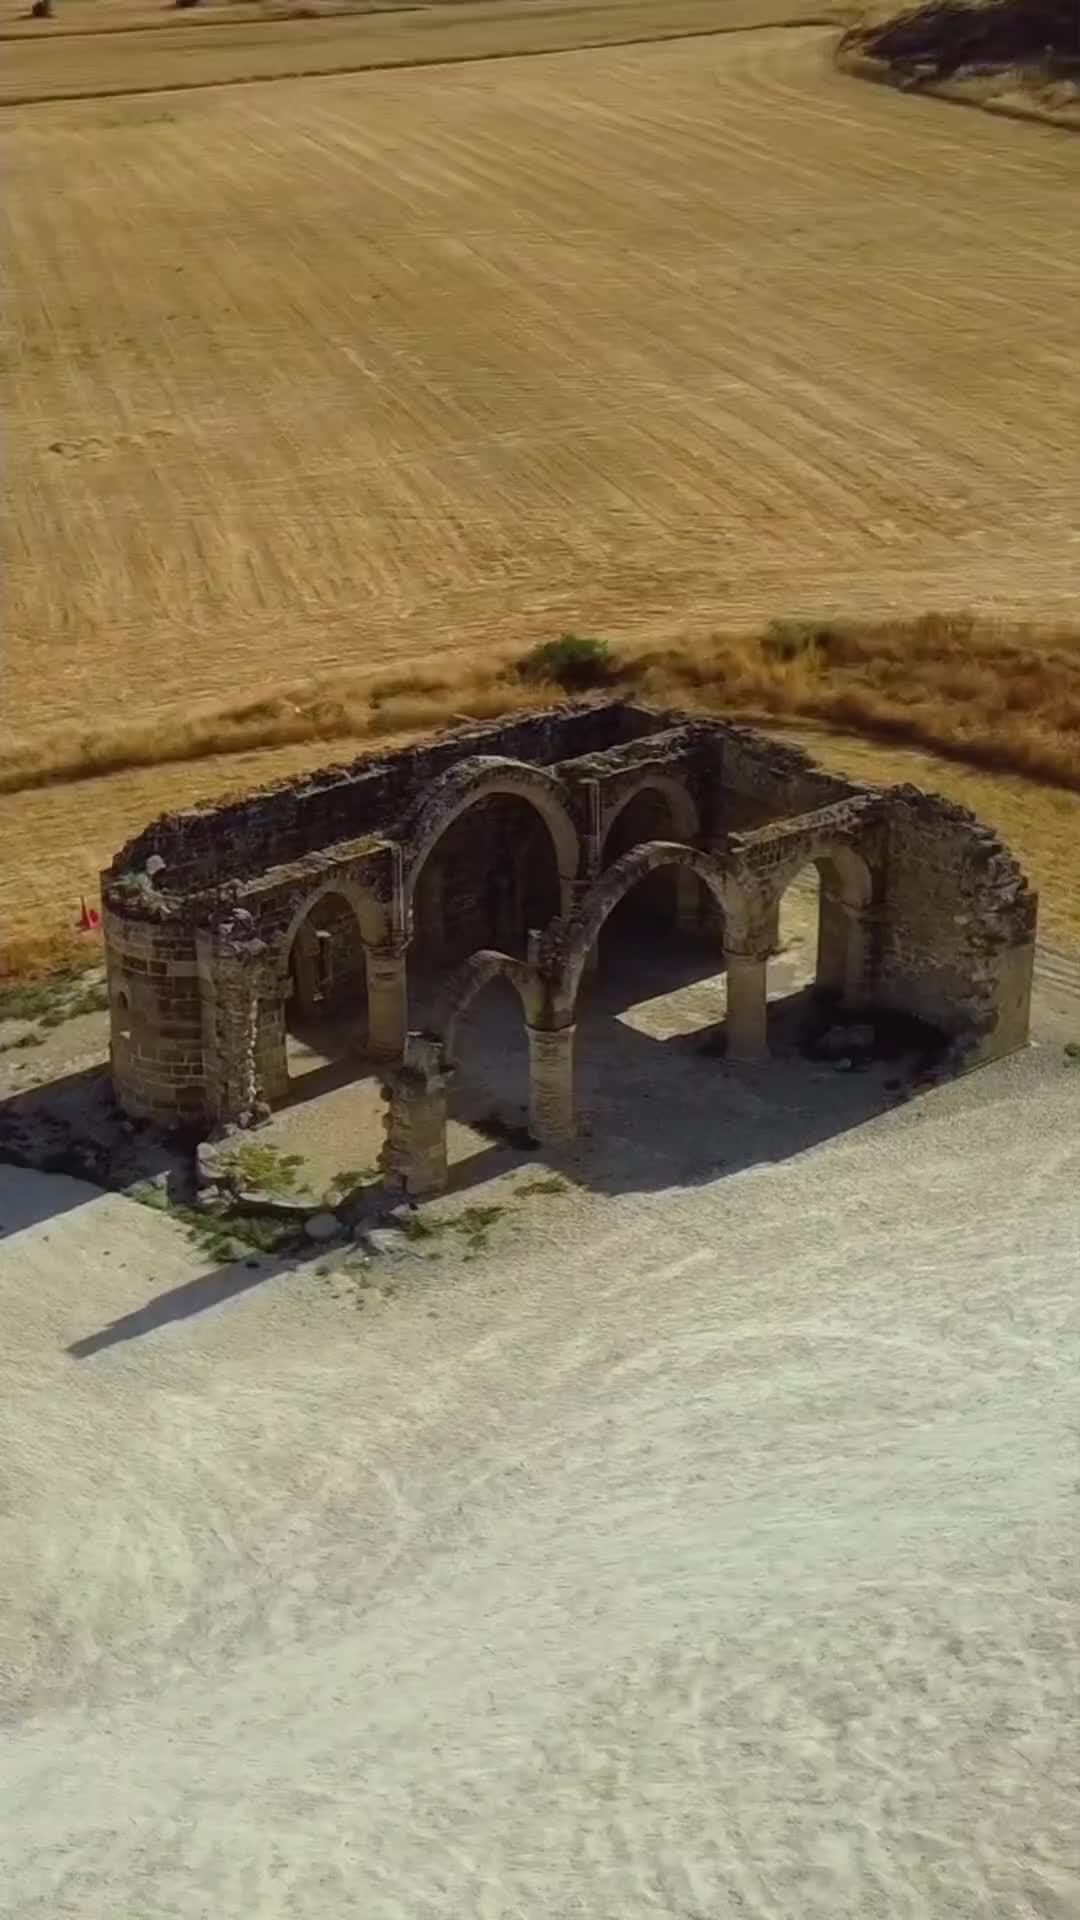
{"x":347,"y":372}
{"x":209,"y":53}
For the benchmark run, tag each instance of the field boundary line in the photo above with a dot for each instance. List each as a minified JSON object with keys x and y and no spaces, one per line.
{"x":7,"y":38}
{"x":812,"y":24}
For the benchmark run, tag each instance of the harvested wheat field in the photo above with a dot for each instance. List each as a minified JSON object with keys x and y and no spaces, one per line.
{"x":393,"y":375}
{"x":244,"y":40}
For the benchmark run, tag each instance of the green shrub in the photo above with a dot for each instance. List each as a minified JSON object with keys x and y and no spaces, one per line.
{"x":575,"y":662}
{"x":257,"y":1164}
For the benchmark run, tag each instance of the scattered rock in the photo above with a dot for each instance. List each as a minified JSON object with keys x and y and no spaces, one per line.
{"x":207,"y":1172}
{"x":400,"y":1214}
{"x":386,"y":1241}
{"x":260,"y":1201}
{"x":212,"y":1200}
{"x":322,"y":1226}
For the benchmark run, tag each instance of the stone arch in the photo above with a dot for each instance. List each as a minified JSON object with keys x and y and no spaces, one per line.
{"x":483,"y":776}
{"x":371,"y":915}
{"x":299,"y":938}
{"x":468,"y":982}
{"x":491,"y":853}
{"x":847,"y":891}
{"x":682,"y":808}
{"x":464,"y":1082}
{"x":657,"y":806}
{"x":580,"y":932}
{"x":848,"y":874}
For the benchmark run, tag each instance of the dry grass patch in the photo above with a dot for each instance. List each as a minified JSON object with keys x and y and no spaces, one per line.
{"x":1000,"y":700}
{"x":995,"y":694}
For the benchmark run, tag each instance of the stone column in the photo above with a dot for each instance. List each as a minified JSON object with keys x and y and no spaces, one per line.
{"x":551,"y":1084}
{"x":591,"y":966}
{"x":388,"y":1001}
{"x":746,"y":1008}
{"x":413,"y":1158}
{"x":271,"y":1055}
{"x":232,"y":1075}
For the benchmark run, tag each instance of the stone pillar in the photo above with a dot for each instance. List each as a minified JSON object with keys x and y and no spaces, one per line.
{"x":591,"y":965}
{"x":233,"y":1091}
{"x":746,"y":1008}
{"x":413,"y":1158}
{"x":271,"y":1055}
{"x":157,"y":1021}
{"x":388,"y":1001}
{"x":551,"y":1084}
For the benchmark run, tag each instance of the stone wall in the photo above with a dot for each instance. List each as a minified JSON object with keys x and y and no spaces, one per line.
{"x":156,"y":1018}
{"x":207,"y":846}
{"x":491,"y":877}
{"x":417,"y":859}
{"x":955,"y":933}
{"x":327,"y":968}
{"x":763,"y":780}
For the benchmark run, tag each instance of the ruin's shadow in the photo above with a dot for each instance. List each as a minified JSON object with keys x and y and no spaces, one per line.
{"x":70,"y":1126}
{"x":209,"y":1290}
{"x":658,"y":1105}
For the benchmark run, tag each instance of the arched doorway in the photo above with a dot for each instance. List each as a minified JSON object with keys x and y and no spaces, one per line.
{"x":666,"y":931}
{"x":653,"y":903}
{"x":485,"y":882}
{"x":649,"y":1020}
{"x":818,"y":961}
{"x":657,"y":810}
{"x":489,"y":1095}
{"x":326,"y":1017}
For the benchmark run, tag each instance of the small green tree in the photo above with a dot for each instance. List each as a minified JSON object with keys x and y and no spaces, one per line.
{"x":575,"y":661}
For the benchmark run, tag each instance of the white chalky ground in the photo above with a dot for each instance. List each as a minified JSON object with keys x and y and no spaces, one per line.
{"x":703,"y":1549}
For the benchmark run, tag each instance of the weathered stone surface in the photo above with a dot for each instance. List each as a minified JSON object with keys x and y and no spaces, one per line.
{"x":258,"y":1200}
{"x":501,"y":850}
{"x":322,"y":1226}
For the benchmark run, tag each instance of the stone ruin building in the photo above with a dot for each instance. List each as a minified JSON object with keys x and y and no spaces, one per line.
{"x":500,"y":850}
